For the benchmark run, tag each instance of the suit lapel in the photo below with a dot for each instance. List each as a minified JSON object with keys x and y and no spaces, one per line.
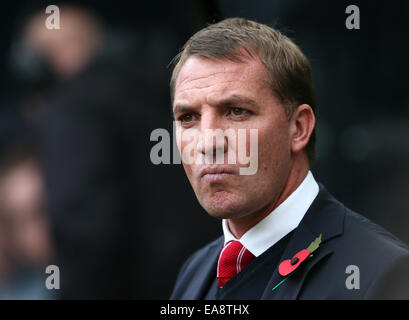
{"x":326,"y":217}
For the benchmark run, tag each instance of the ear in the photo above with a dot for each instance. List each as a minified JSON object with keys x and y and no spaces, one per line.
{"x":302,"y":124}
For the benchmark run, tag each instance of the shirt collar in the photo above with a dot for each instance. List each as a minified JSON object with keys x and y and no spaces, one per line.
{"x":281,"y":221}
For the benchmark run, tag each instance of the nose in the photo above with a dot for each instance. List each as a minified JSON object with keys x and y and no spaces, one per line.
{"x":213,"y":144}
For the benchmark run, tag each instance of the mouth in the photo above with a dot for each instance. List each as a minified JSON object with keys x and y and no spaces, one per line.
{"x":217,"y":173}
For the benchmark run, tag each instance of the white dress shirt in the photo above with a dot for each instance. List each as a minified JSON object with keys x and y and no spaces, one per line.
{"x":280,"y":222}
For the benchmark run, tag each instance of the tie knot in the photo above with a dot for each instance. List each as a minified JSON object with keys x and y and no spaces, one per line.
{"x":233,"y":258}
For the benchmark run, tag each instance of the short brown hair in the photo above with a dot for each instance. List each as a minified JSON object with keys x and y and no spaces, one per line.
{"x":288,"y":68}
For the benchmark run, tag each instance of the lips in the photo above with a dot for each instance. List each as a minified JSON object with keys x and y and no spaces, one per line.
{"x":217,"y":173}
{"x":214,"y":170}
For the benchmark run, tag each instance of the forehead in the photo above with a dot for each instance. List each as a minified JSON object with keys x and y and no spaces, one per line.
{"x":207,"y":78}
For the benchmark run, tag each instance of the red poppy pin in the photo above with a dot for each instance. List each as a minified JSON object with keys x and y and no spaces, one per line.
{"x":286,"y":267}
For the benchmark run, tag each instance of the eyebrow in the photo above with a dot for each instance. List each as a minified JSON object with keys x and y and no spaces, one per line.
{"x":229,"y":101}
{"x":182,"y":109}
{"x":237,"y":100}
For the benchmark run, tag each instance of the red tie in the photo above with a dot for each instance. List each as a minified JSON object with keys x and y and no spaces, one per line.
{"x":233,"y":258}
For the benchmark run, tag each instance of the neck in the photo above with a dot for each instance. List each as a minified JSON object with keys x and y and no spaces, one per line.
{"x":239,"y":226}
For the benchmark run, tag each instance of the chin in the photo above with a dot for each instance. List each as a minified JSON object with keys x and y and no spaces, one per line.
{"x":223,"y":205}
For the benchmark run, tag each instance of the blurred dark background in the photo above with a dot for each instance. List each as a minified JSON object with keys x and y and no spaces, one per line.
{"x":77,"y":106}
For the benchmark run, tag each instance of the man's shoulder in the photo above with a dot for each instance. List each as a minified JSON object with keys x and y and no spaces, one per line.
{"x":359,"y":249}
{"x":362,"y":233}
{"x":203,"y":252}
{"x":196,"y":269}
{"x":379,"y":257}
{"x":357,"y":231}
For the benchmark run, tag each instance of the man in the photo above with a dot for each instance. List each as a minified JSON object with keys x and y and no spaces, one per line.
{"x":242,"y":75}
{"x":26,"y":246}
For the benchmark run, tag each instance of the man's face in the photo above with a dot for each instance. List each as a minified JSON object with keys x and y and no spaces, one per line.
{"x":222,"y":94}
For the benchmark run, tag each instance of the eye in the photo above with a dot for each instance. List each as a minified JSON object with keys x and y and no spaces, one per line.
{"x":238,"y":111}
{"x":188,"y":117}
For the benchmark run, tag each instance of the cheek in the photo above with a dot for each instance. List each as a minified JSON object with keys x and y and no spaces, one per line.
{"x":188,"y":170}
{"x":274,"y":147}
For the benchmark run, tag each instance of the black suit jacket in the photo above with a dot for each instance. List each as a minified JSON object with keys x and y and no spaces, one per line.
{"x":347,"y":239}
